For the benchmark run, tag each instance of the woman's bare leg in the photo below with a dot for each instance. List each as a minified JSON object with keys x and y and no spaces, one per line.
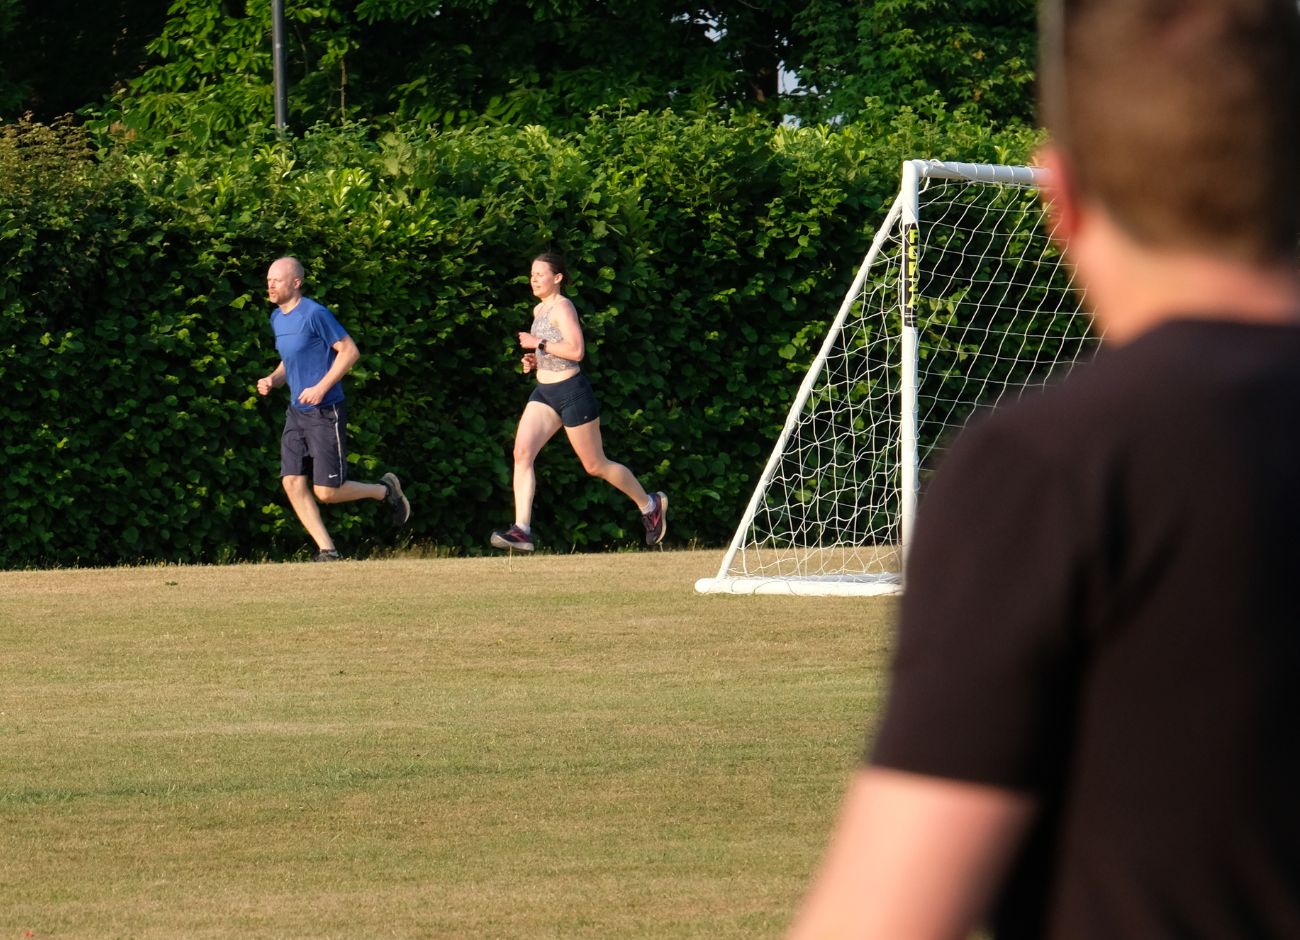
{"x":587,"y":444}
{"x":537,"y":425}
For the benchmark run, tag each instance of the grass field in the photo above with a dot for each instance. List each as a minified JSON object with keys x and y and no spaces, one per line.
{"x":554,"y":746}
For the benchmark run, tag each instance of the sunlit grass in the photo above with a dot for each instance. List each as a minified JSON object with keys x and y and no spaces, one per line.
{"x":551,"y":746}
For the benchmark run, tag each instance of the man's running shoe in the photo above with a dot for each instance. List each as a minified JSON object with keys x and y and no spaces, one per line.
{"x":513,"y":538}
{"x":327,"y":554}
{"x":656,"y":520}
{"x":395,"y":499}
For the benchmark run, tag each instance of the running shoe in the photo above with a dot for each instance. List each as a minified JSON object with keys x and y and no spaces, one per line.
{"x":656,"y":520}
{"x":513,"y":538}
{"x":395,"y":499}
{"x":327,"y":554}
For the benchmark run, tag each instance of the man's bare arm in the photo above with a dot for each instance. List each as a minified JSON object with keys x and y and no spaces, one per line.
{"x":913,"y":858}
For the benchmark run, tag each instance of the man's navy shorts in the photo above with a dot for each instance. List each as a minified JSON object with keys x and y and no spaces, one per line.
{"x":573,"y":400}
{"x":315,"y":443}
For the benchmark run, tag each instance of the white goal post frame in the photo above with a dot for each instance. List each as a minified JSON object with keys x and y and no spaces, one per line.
{"x":904,"y":212}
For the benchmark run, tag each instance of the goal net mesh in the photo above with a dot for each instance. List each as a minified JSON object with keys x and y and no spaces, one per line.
{"x":994,"y":314}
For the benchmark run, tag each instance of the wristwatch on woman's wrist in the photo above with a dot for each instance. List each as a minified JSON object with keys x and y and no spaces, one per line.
{"x":541,"y":347}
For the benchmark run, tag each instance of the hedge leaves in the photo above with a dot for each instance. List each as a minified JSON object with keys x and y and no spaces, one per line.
{"x":707,"y":259}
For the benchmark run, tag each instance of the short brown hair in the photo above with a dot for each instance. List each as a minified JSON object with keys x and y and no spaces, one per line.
{"x":1180,"y":117}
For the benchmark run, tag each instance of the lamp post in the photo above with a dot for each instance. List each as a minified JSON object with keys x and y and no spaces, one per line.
{"x":277,"y":50}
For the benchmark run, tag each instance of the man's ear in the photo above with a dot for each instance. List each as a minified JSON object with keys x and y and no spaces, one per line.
{"x":1060,"y":198}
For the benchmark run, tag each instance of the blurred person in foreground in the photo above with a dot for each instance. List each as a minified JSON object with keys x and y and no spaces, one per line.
{"x":1089,"y":732}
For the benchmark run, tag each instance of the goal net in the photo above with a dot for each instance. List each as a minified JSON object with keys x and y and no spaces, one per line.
{"x":962,"y":300}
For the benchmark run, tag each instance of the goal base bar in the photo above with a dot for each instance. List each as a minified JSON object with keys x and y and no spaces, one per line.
{"x":806,"y":586}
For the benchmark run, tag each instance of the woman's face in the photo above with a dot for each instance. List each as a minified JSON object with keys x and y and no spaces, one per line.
{"x":544,"y":282}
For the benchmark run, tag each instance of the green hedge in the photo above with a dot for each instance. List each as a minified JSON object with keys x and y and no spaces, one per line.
{"x":707,"y":258}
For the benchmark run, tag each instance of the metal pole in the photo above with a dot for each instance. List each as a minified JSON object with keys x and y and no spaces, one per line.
{"x":277,"y":55}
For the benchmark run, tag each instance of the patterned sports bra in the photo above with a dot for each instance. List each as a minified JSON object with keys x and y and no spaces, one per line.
{"x":544,"y":329}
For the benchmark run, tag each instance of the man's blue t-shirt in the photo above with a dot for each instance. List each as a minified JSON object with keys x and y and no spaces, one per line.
{"x":305,"y":338}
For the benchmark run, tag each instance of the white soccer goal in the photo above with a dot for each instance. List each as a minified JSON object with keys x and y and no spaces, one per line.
{"x":961,"y":300}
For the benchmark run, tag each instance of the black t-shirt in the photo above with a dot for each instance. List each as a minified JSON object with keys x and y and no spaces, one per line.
{"x":1103,"y":610}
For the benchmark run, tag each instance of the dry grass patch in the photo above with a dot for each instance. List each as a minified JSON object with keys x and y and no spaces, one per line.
{"x":554,"y":746}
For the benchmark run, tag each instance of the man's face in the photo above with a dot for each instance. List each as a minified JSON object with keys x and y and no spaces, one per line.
{"x":281,"y":284}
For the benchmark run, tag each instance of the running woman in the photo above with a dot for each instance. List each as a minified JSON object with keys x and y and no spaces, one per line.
{"x":563,"y":397}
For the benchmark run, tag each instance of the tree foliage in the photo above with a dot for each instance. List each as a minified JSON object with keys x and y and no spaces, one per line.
{"x":454,"y":62}
{"x":203,"y":67}
{"x":977,"y":56}
{"x":62,"y":55}
{"x":12,"y":88}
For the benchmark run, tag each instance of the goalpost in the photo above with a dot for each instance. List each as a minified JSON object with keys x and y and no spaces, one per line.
{"x":961,"y":301}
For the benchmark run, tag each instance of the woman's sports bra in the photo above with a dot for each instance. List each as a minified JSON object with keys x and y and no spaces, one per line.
{"x":544,"y":329}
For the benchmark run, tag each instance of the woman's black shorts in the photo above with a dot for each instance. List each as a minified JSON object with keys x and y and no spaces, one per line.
{"x":573,"y":400}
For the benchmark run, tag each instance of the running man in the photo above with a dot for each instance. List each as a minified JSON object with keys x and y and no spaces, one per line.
{"x":315,"y":353}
